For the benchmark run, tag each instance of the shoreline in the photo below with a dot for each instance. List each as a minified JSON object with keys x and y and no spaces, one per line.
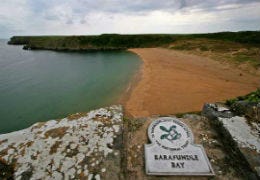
{"x":185,"y":82}
{"x":134,"y":84}
{"x":134,"y":81}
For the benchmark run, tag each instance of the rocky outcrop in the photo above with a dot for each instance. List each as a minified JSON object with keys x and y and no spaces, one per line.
{"x":240,"y":134}
{"x":248,"y":109}
{"x":213,"y":111}
{"x":82,"y":146}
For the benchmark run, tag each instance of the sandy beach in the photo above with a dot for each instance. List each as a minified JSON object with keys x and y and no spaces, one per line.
{"x":173,"y":82}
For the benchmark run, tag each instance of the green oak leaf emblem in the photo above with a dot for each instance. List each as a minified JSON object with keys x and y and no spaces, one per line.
{"x":171,"y":133}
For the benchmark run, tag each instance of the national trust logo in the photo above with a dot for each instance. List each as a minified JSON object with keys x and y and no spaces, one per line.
{"x":170,"y":134}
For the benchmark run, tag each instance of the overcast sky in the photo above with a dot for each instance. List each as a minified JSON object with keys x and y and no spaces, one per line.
{"x":58,"y":17}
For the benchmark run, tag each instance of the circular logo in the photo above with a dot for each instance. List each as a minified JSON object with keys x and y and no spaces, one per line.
{"x":170,"y":133}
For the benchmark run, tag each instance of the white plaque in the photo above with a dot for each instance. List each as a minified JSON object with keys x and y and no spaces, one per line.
{"x":172,"y":151}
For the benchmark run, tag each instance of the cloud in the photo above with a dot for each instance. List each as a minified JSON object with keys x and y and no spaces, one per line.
{"x":35,"y":17}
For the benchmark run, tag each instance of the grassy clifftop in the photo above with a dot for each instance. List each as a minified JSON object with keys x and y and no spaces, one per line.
{"x":102,"y":42}
{"x":244,"y":37}
{"x":116,"y":41}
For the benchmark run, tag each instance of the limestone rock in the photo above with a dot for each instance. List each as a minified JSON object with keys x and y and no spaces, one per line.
{"x":239,"y":135}
{"x":70,"y":148}
{"x":213,"y":111}
{"x":248,"y":109}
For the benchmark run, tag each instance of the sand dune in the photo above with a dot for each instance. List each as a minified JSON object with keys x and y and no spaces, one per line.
{"x":174,"y":82}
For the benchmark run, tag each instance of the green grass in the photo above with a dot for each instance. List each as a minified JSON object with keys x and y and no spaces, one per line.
{"x":251,"y":97}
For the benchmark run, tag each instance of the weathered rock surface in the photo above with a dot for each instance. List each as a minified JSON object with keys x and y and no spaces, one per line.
{"x":248,"y":109}
{"x":213,"y":111}
{"x":82,"y":146}
{"x":240,"y":134}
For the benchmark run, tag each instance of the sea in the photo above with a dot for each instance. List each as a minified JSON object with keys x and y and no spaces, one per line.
{"x":40,"y":85}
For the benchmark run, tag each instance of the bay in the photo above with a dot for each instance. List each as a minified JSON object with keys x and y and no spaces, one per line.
{"x":42,"y":85}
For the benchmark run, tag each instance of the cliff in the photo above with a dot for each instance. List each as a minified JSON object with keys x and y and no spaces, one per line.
{"x":91,"y":43}
{"x":117,"y":41}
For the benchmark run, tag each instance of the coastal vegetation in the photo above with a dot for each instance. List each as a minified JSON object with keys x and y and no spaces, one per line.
{"x":248,"y":105}
{"x":253,"y":97}
{"x":221,"y":50}
{"x":236,"y":47}
{"x":117,"y":41}
{"x":101,"y":42}
{"x":245,"y":37}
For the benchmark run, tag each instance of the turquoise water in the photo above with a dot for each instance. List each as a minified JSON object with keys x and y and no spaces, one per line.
{"x":43,"y":85}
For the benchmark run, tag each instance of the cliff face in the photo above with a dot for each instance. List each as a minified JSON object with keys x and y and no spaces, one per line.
{"x":19,"y":40}
{"x":77,"y":147}
{"x":91,"y":43}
